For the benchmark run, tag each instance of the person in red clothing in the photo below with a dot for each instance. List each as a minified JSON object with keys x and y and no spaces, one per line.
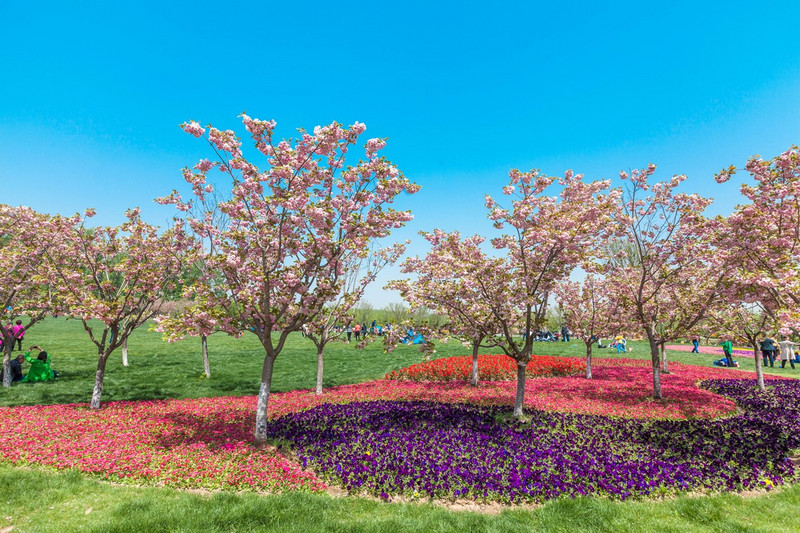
{"x":19,"y":333}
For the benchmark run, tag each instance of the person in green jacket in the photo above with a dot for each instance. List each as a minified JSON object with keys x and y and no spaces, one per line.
{"x":727,"y":349}
{"x":40,"y":367}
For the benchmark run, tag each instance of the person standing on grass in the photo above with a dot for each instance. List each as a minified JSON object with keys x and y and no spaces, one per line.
{"x":19,"y":333}
{"x":768,"y":351}
{"x":564,"y":333}
{"x":357,"y":331}
{"x":787,"y":351}
{"x":695,"y":344}
{"x":727,"y":349}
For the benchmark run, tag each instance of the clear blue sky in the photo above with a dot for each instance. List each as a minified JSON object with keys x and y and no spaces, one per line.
{"x":91,"y":93}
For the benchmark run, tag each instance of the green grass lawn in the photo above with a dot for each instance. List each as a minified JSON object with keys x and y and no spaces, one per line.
{"x":36,"y":500}
{"x":159,"y":369}
{"x":41,"y":500}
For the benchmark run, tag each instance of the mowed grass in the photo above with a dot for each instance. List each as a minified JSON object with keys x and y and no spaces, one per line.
{"x":35,"y":499}
{"x":160,"y":370}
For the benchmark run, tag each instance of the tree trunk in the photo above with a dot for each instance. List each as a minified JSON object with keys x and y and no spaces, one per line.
{"x":263,"y":399}
{"x":759,"y":368}
{"x":6,"y":366}
{"x":589,"y":360}
{"x":655,"y":359}
{"x":97,"y":392}
{"x":520,"y":398}
{"x":664,"y":367}
{"x":206,"y":364}
{"x":473,"y":380}
{"x":320,"y":365}
{"x":125,"y":351}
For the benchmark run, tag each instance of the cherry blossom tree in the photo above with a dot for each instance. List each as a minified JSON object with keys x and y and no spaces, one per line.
{"x":548,"y":236}
{"x":359,"y":273}
{"x":590,"y":309}
{"x":117,"y":276}
{"x":291,"y":228}
{"x":671,"y":273}
{"x":26,"y":286}
{"x":763,"y":236}
{"x":448,"y":282}
{"x":196,"y":319}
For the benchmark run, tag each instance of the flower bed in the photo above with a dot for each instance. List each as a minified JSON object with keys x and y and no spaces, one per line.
{"x":205,"y":443}
{"x":201,"y":443}
{"x":490,"y":368}
{"x":465,"y":451}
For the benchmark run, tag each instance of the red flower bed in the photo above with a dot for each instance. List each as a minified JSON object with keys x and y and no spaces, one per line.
{"x":490,"y":368}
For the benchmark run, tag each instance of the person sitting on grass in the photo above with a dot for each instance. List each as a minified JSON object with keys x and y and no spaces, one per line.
{"x":40,"y":367}
{"x":620,"y":344}
{"x":16,"y":369}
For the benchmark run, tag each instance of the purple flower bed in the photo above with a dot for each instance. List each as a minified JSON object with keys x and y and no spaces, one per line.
{"x":438,"y":450}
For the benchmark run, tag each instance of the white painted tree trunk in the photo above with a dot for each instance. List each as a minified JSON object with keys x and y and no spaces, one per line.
{"x":474,"y":377}
{"x":655,"y":359}
{"x":759,"y":368}
{"x":320,"y":366}
{"x":263,"y":400}
{"x":520,"y":397}
{"x":125,"y":351}
{"x":206,"y":364}
{"x":97,"y":392}
{"x":589,"y":360}
{"x":7,"y":365}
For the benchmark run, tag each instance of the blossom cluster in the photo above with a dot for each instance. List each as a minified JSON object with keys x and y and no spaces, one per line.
{"x":491,"y":368}
{"x":428,"y":449}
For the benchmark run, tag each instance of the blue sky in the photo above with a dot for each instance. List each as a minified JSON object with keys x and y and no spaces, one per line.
{"x":91,"y":93}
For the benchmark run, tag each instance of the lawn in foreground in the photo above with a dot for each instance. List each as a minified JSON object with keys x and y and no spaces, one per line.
{"x":47,"y":501}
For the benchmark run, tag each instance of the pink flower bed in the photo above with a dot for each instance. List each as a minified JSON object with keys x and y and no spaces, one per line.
{"x":200,"y":443}
{"x":205,"y":443}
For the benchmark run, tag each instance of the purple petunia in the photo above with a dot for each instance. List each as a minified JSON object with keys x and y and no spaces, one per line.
{"x":481,"y":453}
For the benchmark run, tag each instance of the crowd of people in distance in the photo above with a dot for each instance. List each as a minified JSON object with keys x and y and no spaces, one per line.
{"x":545,"y":335}
{"x":39,"y":370}
{"x":360,"y":331}
{"x":783,"y":350}
{"x":771,"y":351}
